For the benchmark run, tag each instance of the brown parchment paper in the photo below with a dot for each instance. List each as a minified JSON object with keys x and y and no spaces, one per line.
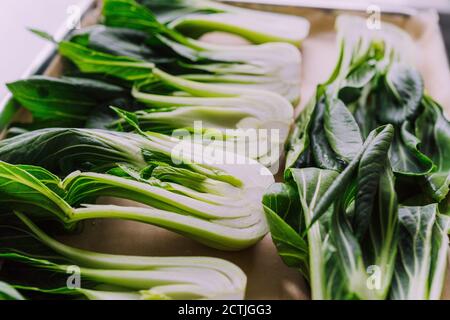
{"x":268,"y":277}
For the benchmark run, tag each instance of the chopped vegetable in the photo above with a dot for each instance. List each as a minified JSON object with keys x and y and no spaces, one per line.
{"x":232,"y":121}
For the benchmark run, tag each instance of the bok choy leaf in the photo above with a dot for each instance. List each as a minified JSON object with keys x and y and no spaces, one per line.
{"x":377,"y":83}
{"x":67,"y":101}
{"x":349,"y":222}
{"x":423,"y":247}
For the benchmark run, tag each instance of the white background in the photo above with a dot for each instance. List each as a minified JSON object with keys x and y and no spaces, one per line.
{"x":18,"y":47}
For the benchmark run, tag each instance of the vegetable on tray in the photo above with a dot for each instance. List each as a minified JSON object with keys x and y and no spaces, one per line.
{"x":121,"y":122}
{"x":216,"y":204}
{"x":131,"y":30}
{"x":363,"y":212}
{"x":171,"y":82}
{"x":196,"y":17}
{"x":107,"y":276}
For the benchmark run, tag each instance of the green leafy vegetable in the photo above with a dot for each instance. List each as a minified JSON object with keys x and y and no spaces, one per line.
{"x":115,"y":277}
{"x":209,"y":210}
{"x":375,"y":85}
{"x":433,"y":129}
{"x":423,"y":247}
{"x":196,"y":17}
{"x":230,"y":121}
{"x":272,"y":66}
{"x":368,"y":159}
{"x":66,"y":101}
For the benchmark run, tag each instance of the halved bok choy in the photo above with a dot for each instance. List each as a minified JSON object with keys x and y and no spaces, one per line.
{"x":250,"y":125}
{"x":245,"y":119}
{"x":272,"y":66}
{"x":196,"y":17}
{"x":107,"y":276}
{"x":216,"y":204}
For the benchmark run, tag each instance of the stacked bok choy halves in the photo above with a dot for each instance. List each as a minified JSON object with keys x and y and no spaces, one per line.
{"x":106,"y":276}
{"x":215,"y":203}
{"x":129,"y":68}
{"x":122,"y":122}
{"x":196,"y":17}
{"x":236,"y":92}
{"x":363,"y":212}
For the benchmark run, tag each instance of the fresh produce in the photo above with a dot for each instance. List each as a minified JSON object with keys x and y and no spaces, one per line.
{"x":111,"y":277}
{"x":231,"y":122}
{"x":234,"y":95}
{"x":137,"y":34}
{"x":216,"y":204}
{"x":363,"y":210}
{"x":196,"y":17}
{"x":66,"y":101}
{"x":122,"y":122}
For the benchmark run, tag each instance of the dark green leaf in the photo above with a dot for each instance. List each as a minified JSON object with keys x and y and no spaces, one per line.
{"x":20,"y":190}
{"x":324,"y":155}
{"x":405,"y":156}
{"x":91,"y":61}
{"x":291,"y":247}
{"x":283,"y":199}
{"x":357,"y":78}
{"x":399,"y":99}
{"x":64,"y":150}
{"x":130,"y":14}
{"x":342,"y":130}
{"x":324,"y":273}
{"x":381,"y":137}
{"x":433,"y":130}
{"x":300,"y":139}
{"x":68,"y":101}
{"x":371,"y":166}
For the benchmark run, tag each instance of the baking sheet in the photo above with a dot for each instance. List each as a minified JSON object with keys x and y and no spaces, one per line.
{"x":268,"y":277}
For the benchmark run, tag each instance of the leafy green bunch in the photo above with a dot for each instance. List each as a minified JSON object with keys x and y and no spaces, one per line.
{"x":362,"y":212}
{"x":40,"y":267}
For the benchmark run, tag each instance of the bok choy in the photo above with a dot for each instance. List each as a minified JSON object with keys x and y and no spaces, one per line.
{"x":111,"y":277}
{"x":376,"y":83}
{"x":272,"y":66}
{"x":196,"y":17}
{"x":67,"y":101}
{"x":230,"y":116}
{"x":216,"y":204}
{"x":362,"y":211}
